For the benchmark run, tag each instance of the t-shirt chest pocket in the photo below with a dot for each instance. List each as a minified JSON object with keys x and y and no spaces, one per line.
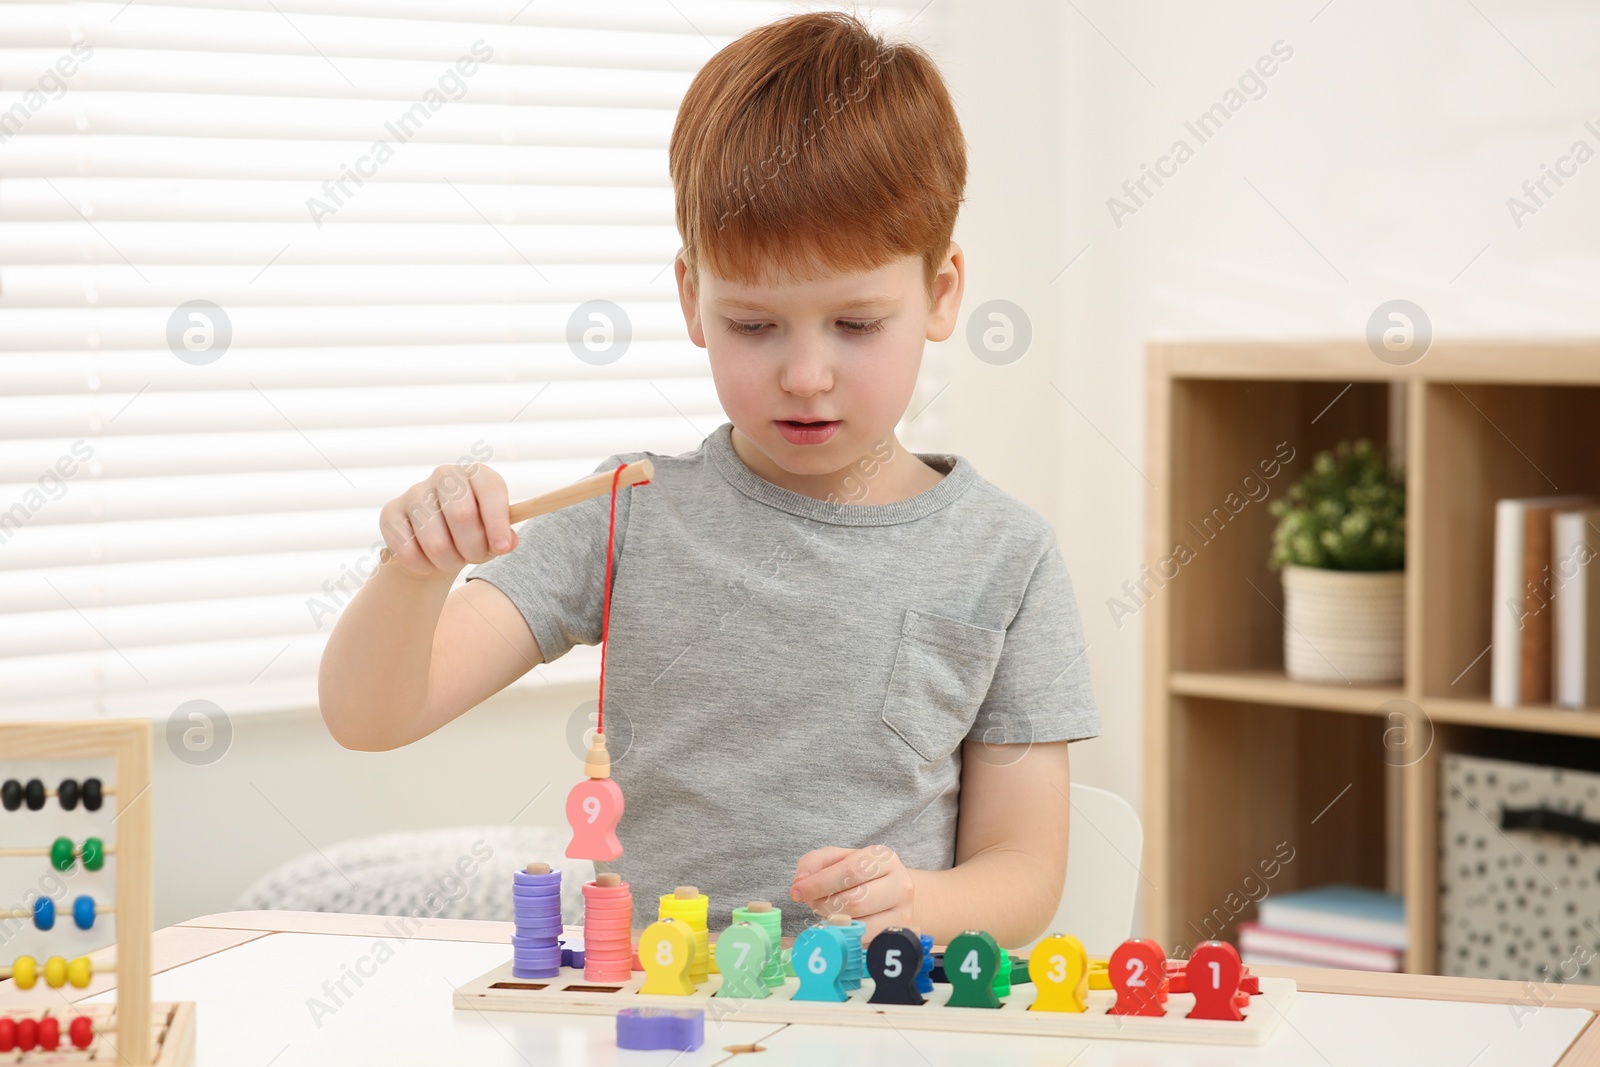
{"x":942,"y":668}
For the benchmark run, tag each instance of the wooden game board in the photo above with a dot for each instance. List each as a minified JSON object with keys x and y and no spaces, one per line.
{"x":569,"y":993}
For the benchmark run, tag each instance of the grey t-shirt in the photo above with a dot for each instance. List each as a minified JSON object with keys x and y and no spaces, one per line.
{"x":786,"y":673}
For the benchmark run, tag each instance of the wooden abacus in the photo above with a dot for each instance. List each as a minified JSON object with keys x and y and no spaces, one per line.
{"x":145,"y":1034}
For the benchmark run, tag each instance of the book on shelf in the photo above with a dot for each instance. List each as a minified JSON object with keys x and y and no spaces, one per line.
{"x":1340,"y":913}
{"x":1522,"y":631}
{"x":1263,"y":944}
{"x":1574,"y":546}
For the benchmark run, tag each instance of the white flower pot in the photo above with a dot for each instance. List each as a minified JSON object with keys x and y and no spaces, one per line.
{"x":1344,"y":626}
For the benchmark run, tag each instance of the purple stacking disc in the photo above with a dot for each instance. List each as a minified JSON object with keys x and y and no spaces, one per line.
{"x":534,"y":972}
{"x":543,"y":914}
{"x":535,"y":959}
{"x":522,"y":878}
{"x":652,"y":1028}
{"x":536,"y":963}
{"x":532,"y":894}
{"x":535,"y":943}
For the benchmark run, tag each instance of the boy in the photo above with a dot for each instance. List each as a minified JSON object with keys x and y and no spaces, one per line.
{"x":851,"y":672}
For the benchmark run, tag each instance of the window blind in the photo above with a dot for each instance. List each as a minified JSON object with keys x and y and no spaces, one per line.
{"x":264,"y":266}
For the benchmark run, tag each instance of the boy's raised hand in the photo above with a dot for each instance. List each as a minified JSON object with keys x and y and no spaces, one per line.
{"x":459,"y":514}
{"x":870,"y":884}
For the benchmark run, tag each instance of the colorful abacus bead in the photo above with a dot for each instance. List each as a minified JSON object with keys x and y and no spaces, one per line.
{"x":83,"y":912}
{"x":81,"y":1030}
{"x":79,"y":971}
{"x":63,"y":855}
{"x":25,"y":972}
{"x":57,"y":972}
{"x":14,"y":794}
{"x":44,"y":913}
{"x":535,"y":938}
{"x":49,"y":1033}
{"x":770,"y":919}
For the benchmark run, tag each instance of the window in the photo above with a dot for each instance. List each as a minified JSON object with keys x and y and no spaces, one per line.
{"x":264,"y":266}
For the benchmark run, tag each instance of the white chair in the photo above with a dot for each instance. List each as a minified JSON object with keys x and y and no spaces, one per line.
{"x":1105,"y":844}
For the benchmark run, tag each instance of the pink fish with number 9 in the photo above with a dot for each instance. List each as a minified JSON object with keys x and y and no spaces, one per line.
{"x":594,"y":807}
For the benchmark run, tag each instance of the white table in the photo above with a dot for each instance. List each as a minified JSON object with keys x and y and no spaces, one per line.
{"x":257,"y":979}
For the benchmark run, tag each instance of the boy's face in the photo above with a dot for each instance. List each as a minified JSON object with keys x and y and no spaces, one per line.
{"x":843,"y":349}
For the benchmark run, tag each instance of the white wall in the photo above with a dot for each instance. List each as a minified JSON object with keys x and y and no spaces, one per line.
{"x":284,"y":788}
{"x":1390,"y":141}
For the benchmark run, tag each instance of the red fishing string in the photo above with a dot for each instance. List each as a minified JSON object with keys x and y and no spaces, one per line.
{"x":605,"y":619}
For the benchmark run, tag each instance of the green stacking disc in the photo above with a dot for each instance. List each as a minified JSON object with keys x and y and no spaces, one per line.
{"x":970,"y":964}
{"x":1002,"y":975}
{"x":94,"y":853}
{"x":771,"y":921}
{"x":61,"y":854}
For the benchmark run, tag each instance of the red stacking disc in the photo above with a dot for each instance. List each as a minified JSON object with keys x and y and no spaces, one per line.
{"x":607,"y":932}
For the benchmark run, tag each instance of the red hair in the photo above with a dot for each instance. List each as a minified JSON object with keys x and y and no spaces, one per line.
{"x":812,"y":146}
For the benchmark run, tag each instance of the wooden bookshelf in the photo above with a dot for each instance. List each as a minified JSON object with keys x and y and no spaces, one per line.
{"x":1239,"y":759}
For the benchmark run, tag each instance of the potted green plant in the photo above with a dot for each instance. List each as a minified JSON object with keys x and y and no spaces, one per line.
{"x":1341,"y":542}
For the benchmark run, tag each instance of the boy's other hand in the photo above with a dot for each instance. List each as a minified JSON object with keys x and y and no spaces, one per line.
{"x":870,"y":884}
{"x":459,"y":514}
